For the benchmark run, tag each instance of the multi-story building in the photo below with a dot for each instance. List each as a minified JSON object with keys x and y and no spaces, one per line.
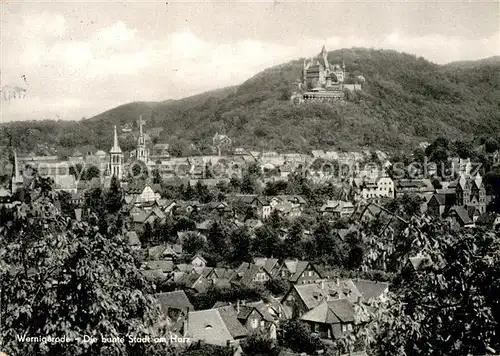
{"x":382,"y":187}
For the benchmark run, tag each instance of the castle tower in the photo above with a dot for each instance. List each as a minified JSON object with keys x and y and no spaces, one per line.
{"x":17,"y":179}
{"x":324,"y":54}
{"x":116,"y":159}
{"x":141,"y":152}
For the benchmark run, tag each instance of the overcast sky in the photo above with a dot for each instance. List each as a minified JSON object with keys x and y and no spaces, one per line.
{"x":80,"y":59}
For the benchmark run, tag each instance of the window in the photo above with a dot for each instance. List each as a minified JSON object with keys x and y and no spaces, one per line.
{"x":344,"y":328}
{"x":262,"y":323}
{"x":349,"y":327}
{"x":255,"y":323}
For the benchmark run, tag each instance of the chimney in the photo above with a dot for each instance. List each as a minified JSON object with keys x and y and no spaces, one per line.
{"x":185,"y":324}
{"x":323,"y":284}
{"x":338,"y":281}
{"x":78,"y":214}
{"x":238,"y":306}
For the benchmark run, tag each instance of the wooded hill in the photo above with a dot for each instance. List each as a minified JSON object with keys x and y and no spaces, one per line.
{"x":405,"y":100}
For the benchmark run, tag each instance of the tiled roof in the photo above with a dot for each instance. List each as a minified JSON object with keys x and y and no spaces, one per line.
{"x":293,"y":198}
{"x":154,"y":274}
{"x":164,"y":202}
{"x":141,"y":217}
{"x":486,"y":219}
{"x":419,"y":262}
{"x":204,"y":225}
{"x":219,"y":304}
{"x":314,"y":293}
{"x":65,"y":182}
{"x":133,"y":239}
{"x":222,"y":283}
{"x":225,"y":273}
{"x":371,"y":289}
{"x":332,"y":312}
{"x":135,"y":188}
{"x":208,"y":325}
{"x":194,"y":281}
{"x":160,"y":251}
{"x":291,"y":265}
{"x":300,"y":267}
{"x":174,"y":300}
{"x":263,"y":310}
{"x":462,"y":214}
{"x":184,"y":267}
{"x":206,"y":271}
{"x":245,"y":198}
{"x":159,"y":213}
{"x":253,"y":223}
{"x":165,"y":266}
{"x":250,"y":273}
{"x":161,"y":146}
{"x":311,"y":294}
{"x":440,"y":198}
{"x":189,"y":279}
{"x":200,"y":257}
{"x":176,"y":276}
{"x":243,"y":268}
{"x":245,"y":312}
{"x":230,"y":318}
{"x":267,"y":263}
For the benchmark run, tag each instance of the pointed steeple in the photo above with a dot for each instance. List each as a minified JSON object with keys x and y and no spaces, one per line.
{"x":141,"y":151}
{"x":16,"y":173}
{"x":462,"y":181}
{"x":324,"y":58}
{"x":116,"y":148}
{"x":478,"y":180}
{"x":16,"y":179}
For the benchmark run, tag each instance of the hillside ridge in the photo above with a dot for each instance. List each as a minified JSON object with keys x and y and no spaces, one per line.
{"x":406,"y":99}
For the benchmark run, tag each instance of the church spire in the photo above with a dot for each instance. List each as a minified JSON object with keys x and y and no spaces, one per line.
{"x":116,"y":159}
{"x":141,"y":151}
{"x":116,"y":148}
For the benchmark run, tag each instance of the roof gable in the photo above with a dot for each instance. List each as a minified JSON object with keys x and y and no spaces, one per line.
{"x":174,"y":300}
{"x":371,"y":289}
{"x":461,"y":213}
{"x":230,"y":318}
{"x":209,"y":326}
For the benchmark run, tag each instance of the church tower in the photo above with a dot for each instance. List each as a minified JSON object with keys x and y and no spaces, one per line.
{"x":17,"y":179}
{"x":116,"y":159}
{"x":141,"y":152}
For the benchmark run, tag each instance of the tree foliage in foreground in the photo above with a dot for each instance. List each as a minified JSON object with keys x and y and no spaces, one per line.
{"x":62,"y":278}
{"x":450,"y":307}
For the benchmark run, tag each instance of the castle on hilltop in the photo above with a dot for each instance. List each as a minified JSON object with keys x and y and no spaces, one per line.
{"x":322,"y":80}
{"x":319,"y":73}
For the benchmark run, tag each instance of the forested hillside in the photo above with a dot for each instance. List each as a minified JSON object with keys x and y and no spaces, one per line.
{"x":405,"y":100}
